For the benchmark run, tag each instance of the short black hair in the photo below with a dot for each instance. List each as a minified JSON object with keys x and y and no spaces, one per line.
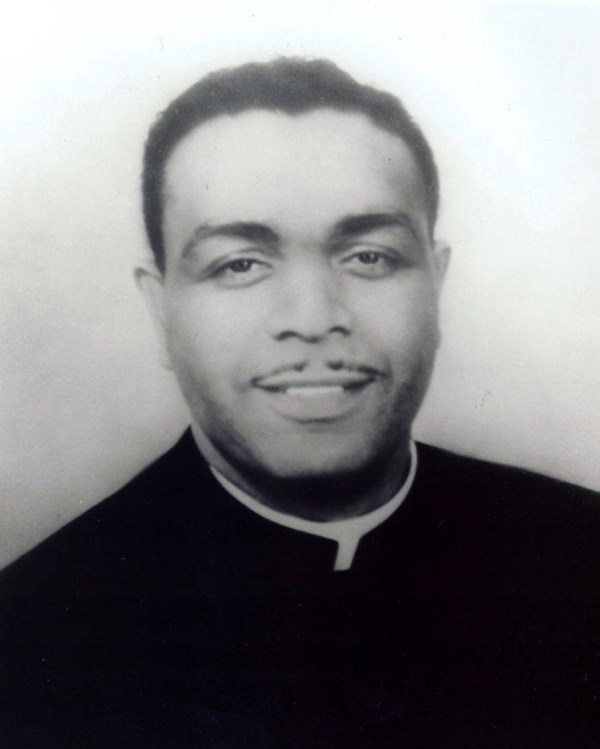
{"x":289,"y":85}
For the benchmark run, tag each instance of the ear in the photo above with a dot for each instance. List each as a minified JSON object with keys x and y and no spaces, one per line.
{"x":151,"y":283}
{"x":441,"y":258}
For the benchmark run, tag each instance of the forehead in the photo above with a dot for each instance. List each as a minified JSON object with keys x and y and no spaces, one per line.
{"x":291,"y":170}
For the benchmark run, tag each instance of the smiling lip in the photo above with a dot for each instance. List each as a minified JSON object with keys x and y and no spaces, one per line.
{"x":323,"y":384}
{"x":307,"y":397}
{"x":306,"y":385}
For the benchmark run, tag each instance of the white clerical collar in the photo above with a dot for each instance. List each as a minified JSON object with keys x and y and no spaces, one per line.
{"x":347,"y":532}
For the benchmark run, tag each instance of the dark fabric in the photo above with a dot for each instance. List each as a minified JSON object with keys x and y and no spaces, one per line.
{"x":169,"y":616}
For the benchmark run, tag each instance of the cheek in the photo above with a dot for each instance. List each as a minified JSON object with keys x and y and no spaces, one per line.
{"x":208,"y":338}
{"x":400,"y":319}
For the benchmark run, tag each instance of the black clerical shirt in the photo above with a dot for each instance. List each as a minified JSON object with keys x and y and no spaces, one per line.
{"x":170,"y":615}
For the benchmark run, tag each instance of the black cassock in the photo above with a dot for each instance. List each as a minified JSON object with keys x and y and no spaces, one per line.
{"x":171,"y":616}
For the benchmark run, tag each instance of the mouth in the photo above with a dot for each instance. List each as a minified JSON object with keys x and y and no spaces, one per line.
{"x":316,"y":397}
{"x":314,"y":386}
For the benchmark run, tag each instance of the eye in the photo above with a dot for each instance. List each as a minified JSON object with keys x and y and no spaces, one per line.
{"x":243,"y":265}
{"x":370,"y":263}
{"x":368,"y":257}
{"x":241,"y":271}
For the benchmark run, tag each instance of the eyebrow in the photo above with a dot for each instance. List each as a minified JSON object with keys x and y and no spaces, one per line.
{"x":355,"y":225}
{"x":249,"y":231}
{"x":255,"y":232}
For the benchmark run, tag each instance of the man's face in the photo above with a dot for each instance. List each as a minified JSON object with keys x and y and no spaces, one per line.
{"x":299,"y":304}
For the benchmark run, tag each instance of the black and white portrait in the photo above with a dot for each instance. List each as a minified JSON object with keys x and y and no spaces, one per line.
{"x":310,"y":295}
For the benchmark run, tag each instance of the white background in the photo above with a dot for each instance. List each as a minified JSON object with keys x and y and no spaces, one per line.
{"x":508,"y":95}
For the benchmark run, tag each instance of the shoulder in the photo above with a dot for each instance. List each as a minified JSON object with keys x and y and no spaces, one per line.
{"x":118,"y":531}
{"x":510,"y":511}
{"x":485,"y":481}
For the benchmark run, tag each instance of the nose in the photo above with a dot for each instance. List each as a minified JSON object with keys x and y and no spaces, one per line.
{"x":311,"y":305}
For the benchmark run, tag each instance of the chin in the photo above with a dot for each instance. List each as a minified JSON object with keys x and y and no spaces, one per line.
{"x":312,"y":461}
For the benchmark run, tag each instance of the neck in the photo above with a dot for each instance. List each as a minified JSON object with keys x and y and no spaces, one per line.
{"x":319,"y":498}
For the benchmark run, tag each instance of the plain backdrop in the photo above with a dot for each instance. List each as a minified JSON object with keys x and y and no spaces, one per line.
{"x":508,"y":96}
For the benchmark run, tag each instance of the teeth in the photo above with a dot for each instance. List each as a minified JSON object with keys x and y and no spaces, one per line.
{"x":308,"y":391}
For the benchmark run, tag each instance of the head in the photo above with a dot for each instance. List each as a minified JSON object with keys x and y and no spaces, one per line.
{"x":291,"y":213}
{"x":288,"y":85}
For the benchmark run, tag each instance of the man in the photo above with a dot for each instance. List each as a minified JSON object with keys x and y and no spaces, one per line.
{"x":296,"y":572}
